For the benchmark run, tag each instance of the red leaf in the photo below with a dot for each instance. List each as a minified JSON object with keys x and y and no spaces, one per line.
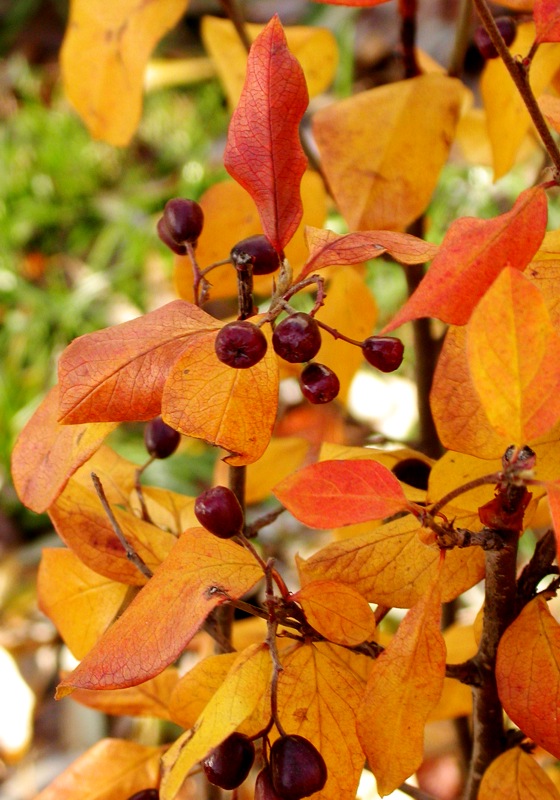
{"x":471,"y":257}
{"x":327,"y":248}
{"x":547,"y":20}
{"x":334,"y":493}
{"x":263,"y":151}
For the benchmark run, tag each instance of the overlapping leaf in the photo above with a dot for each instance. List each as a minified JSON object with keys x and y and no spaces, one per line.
{"x":470,"y":258}
{"x":263,"y":151}
{"x":196,"y":688}
{"x":150,"y":699}
{"x":200,"y":573}
{"x":334,"y":493}
{"x":104,"y":55}
{"x":408,"y":675}
{"x":547,"y":20}
{"x":337,"y":611}
{"x":515,"y":775}
{"x":528,"y":674}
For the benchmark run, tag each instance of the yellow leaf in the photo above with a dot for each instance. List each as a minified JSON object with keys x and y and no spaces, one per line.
{"x":81,"y":603}
{"x":337,"y":611}
{"x":515,"y":775}
{"x":318,"y":697}
{"x":196,"y":688}
{"x":456,"y":697}
{"x":386,"y":181}
{"x":408,"y":675}
{"x":236,"y":699}
{"x":104,"y":56}
{"x":457,"y":469}
{"x":150,"y":699}
{"x":116,"y":474}
{"x":168,"y":510}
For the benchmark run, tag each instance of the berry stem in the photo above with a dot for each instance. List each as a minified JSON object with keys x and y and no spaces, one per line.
{"x":337,"y":334}
{"x":138,"y":489}
{"x":267,"y":519}
{"x":200,"y":284}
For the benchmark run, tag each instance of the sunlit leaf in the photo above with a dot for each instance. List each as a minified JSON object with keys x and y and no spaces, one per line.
{"x":547,"y":20}
{"x":387,"y":180}
{"x":472,"y":255}
{"x":197,"y":687}
{"x":200,"y":573}
{"x":515,"y":775}
{"x":150,"y":699}
{"x":263,"y":151}
{"x":46,"y":453}
{"x":104,"y":56}
{"x":408,"y":675}
{"x":528,"y":674}
{"x":333,"y":493}
{"x":246,"y":683}
{"x":514,"y":358}
{"x":337,"y":611}
{"x":111,"y":768}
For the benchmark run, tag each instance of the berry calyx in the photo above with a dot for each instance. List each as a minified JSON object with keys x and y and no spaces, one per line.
{"x":383,"y":352}
{"x":297,"y":338}
{"x":297,"y":767}
{"x":240,"y":344}
{"x":218,"y":510}
{"x":145,"y":794}
{"x":507,"y":27}
{"x":264,"y":790}
{"x":184,"y":219}
{"x":257,"y":251}
{"x":319,"y":384}
{"x":229,"y":763}
{"x":161,"y":439}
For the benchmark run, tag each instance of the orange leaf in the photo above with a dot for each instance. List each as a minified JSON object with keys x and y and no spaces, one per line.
{"x":553,"y":493}
{"x":470,"y":258}
{"x":514,"y":358}
{"x":150,"y":699}
{"x":232,"y":408}
{"x":528,"y":674}
{"x":334,"y":493}
{"x":550,"y":106}
{"x":337,"y":611}
{"x":515,"y":775}
{"x":263,"y":151}
{"x":547,"y":20}
{"x":104,"y":56}
{"x":118,"y":373}
{"x":327,"y":247}
{"x":46,"y":453}
{"x":408,"y":675}
{"x":196,"y":688}
{"x":70,"y":593}
{"x":318,"y":697}
{"x":200,"y":573}
{"x":111,"y":768}
{"x":386,"y":181}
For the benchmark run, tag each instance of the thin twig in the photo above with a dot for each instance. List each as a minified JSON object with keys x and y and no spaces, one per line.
{"x":413,"y":791}
{"x":266,"y":519}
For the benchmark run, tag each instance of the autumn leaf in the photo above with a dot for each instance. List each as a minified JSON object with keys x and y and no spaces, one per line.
{"x":547,"y":20}
{"x":470,"y":258}
{"x":200,"y":573}
{"x":118,"y":373}
{"x":337,"y":611}
{"x":550,"y":106}
{"x":263,"y":151}
{"x":514,"y":358}
{"x":528,"y":674}
{"x":515,"y":775}
{"x":318,"y":697}
{"x":236,"y":699}
{"x":111,"y":768}
{"x":104,"y":56}
{"x":386,"y":181}
{"x":334,"y":493}
{"x":196,"y":688}
{"x":46,"y":453}
{"x":355,"y":3}
{"x":408,"y":675}
{"x":553,"y":493}
{"x":150,"y":699}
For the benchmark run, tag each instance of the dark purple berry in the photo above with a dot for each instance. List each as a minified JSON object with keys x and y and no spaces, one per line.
{"x":229,"y":763}
{"x":383,"y":352}
{"x":319,"y":384}
{"x":240,"y":344}
{"x":258,"y":251}
{"x":507,"y":27}
{"x":264,"y":790}
{"x":145,"y":794}
{"x":297,"y":767}
{"x":161,"y":439}
{"x":218,"y":510}
{"x":184,"y":220}
{"x":165,"y":236}
{"x":297,"y":338}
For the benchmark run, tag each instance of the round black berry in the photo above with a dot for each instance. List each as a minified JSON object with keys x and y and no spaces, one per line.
{"x":297,"y":767}
{"x":319,"y":384}
{"x":161,"y":439}
{"x":229,"y":763}
{"x":184,"y":220}
{"x":507,"y":27}
{"x":383,"y":352}
{"x":165,"y":236}
{"x":218,"y":510}
{"x":264,"y":790}
{"x":297,"y":338}
{"x":145,"y":794}
{"x":240,"y":344}
{"x":258,"y":251}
